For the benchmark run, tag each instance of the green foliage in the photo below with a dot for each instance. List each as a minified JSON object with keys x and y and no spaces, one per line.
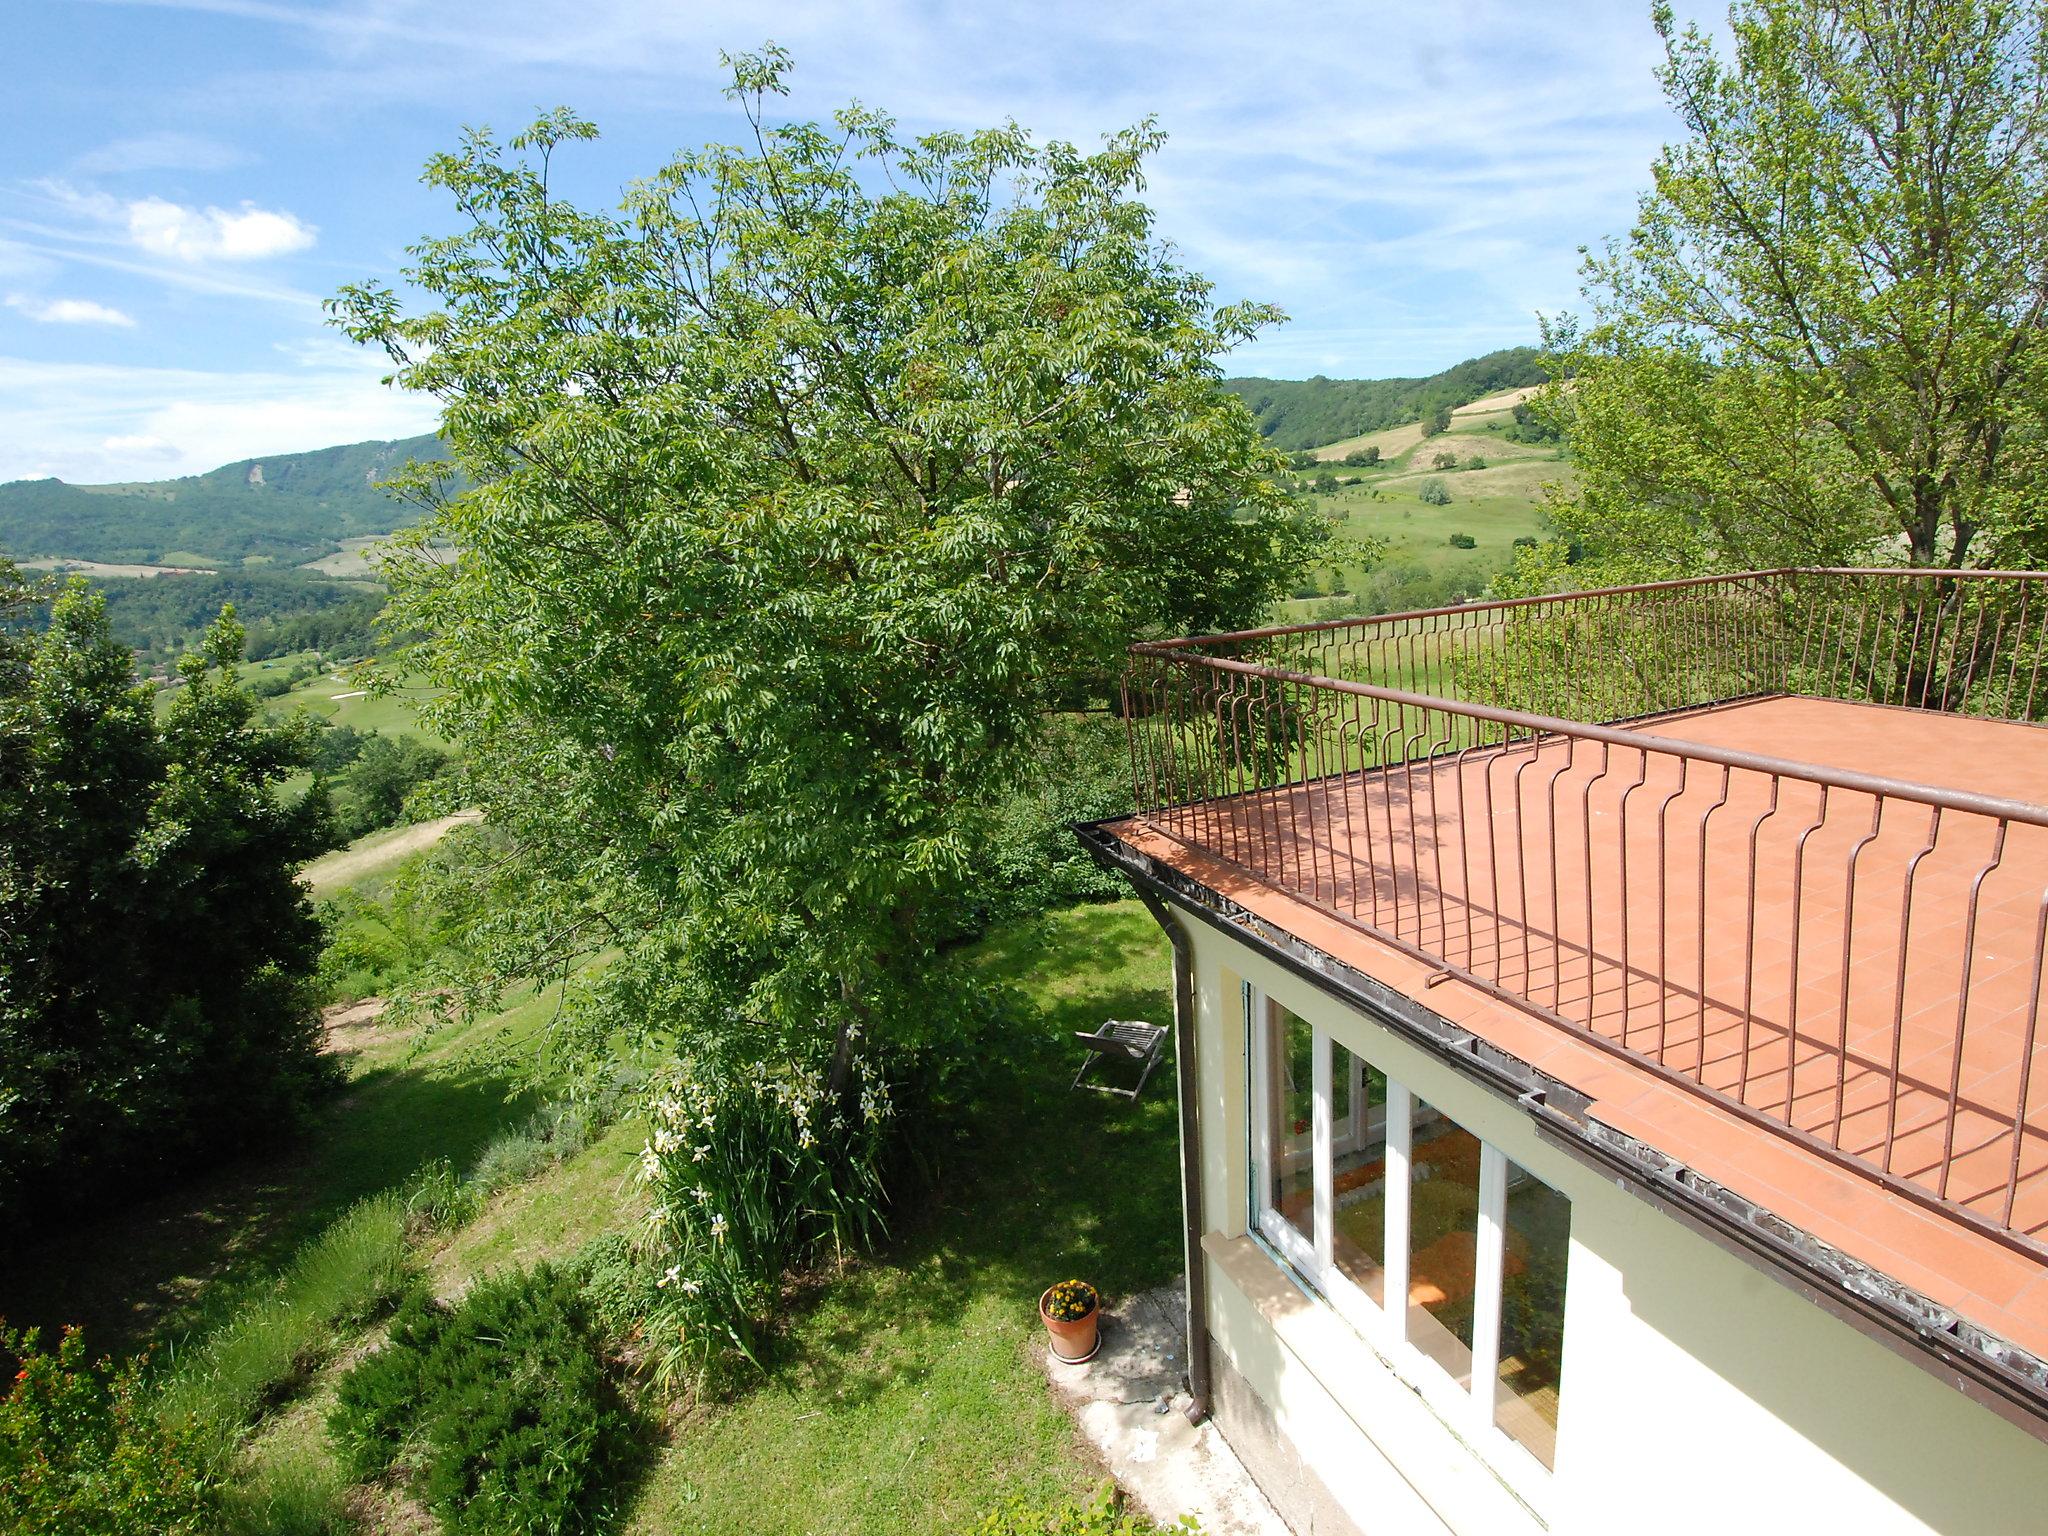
{"x":1102,"y":1515}
{"x":285,"y":611}
{"x":1435,"y":492}
{"x":1822,"y":339}
{"x":501,"y":1411}
{"x":622,"y":1289}
{"x":156,"y":951}
{"x":341,"y":1279}
{"x":1305,"y":413}
{"x":753,"y":1175}
{"x":305,"y":502}
{"x":383,"y":775}
{"x":804,"y":489}
{"x":1463,"y":541}
{"x":82,"y":1453}
{"x":1033,"y":861}
{"x":1358,"y":458}
{"x":1437,"y":420}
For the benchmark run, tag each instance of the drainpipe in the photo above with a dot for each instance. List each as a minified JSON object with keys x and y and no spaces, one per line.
{"x":1187,"y":1080}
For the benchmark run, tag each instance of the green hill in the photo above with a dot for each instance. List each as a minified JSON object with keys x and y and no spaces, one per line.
{"x":288,"y":509}
{"x":1307,"y":413}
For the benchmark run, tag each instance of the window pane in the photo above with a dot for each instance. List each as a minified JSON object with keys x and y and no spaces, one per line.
{"x":1290,"y":1120}
{"x":1443,"y":1240}
{"x":1358,"y":1170}
{"x":1537,"y":1242}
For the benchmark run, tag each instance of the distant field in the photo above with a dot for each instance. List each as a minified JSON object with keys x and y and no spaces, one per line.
{"x":353,"y":559}
{"x":109,"y":568}
{"x":346,"y":696}
{"x":1495,"y":505}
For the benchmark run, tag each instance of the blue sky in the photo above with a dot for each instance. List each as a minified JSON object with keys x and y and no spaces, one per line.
{"x":184,"y":180}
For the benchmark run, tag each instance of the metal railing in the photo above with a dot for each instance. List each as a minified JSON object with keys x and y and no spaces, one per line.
{"x":1529,"y":795}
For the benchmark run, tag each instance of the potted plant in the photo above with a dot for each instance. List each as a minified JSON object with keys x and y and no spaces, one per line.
{"x":1072,"y":1312}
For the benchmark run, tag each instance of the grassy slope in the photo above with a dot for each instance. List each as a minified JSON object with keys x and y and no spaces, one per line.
{"x":905,"y":1397}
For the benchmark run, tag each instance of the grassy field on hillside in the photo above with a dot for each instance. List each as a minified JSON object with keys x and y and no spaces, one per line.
{"x":904,"y":1396}
{"x":1494,"y":505}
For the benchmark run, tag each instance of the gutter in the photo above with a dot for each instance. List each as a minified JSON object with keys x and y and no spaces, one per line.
{"x":1188,"y":1083}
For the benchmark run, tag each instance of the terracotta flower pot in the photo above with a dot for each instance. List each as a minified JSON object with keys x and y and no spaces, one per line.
{"x":1072,"y":1341}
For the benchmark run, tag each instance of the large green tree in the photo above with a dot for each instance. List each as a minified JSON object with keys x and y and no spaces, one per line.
{"x":1822,"y":340}
{"x":156,"y":951}
{"x":804,"y":486}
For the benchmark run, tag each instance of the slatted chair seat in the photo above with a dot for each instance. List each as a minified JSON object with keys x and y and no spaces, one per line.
{"x":1121,"y":1040}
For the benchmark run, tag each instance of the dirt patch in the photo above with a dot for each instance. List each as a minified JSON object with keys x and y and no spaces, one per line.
{"x":356,"y":1027}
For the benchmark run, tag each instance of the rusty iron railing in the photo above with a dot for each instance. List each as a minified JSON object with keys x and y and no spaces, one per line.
{"x":1528,"y":795}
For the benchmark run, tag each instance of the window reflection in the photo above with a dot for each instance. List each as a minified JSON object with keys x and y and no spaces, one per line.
{"x":1290,"y":1120}
{"x":1358,"y":1171}
{"x":1537,"y":1242}
{"x":1443,"y":1240}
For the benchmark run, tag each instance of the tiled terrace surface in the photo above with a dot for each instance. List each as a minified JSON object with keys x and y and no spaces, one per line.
{"x":1488,"y":860}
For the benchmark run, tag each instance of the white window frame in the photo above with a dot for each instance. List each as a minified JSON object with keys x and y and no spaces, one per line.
{"x":1467,"y":1406}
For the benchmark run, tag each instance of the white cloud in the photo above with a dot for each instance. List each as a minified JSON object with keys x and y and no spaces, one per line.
{"x":69,"y":311}
{"x":215,"y":234}
{"x":141,"y":445}
{"x":90,"y":422}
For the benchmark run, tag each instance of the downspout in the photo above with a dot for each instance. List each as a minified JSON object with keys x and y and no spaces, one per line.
{"x":1188,"y":1082}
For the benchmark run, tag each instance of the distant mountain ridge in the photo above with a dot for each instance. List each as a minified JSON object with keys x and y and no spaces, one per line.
{"x":287,"y":508}
{"x":1307,"y":413}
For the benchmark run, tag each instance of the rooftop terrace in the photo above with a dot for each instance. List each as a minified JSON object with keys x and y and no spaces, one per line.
{"x":1758,"y":862}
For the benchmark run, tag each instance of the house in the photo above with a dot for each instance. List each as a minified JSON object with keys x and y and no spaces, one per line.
{"x":1610,"y":1047}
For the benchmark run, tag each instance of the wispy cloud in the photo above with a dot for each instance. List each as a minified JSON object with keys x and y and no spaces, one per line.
{"x":198,"y":236}
{"x":88,"y":422}
{"x":69,"y":311}
{"x":168,"y":150}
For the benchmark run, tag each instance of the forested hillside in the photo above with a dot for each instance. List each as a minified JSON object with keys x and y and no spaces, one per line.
{"x":1306,"y":413}
{"x":290,"y":508}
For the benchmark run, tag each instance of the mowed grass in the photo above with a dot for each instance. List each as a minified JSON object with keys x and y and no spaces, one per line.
{"x":355,"y":696}
{"x":907,"y":1397}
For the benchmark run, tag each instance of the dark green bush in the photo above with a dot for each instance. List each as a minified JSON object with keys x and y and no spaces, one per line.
{"x":82,"y":1453}
{"x":1463,"y":541}
{"x":501,"y":1411}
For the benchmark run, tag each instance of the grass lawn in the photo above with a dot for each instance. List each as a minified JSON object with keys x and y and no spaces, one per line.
{"x":342,"y":696}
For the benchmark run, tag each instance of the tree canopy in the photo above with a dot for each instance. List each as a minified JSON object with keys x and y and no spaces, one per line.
{"x":805,"y":486}
{"x":156,"y":950}
{"x":1822,"y":340}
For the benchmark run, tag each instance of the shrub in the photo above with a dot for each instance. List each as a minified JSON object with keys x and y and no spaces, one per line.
{"x":1435,"y":492}
{"x":1444,"y":460}
{"x":83,"y":1454}
{"x":1102,"y":1515}
{"x":1475,"y":462}
{"x":754,"y":1174}
{"x":343,"y":1277}
{"x":1358,"y":458}
{"x":501,"y":1410}
{"x":622,"y":1289}
{"x":1033,"y":860}
{"x":1463,"y":541}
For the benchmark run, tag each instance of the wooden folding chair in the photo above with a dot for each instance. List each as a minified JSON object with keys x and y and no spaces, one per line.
{"x":1121,"y":1040}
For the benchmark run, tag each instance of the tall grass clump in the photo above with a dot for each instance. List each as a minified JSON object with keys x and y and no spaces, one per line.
{"x":755,"y":1174}
{"x":294,"y":1490}
{"x":343,"y":1277}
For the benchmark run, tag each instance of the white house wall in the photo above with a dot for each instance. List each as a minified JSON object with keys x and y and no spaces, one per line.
{"x":1699,"y":1394}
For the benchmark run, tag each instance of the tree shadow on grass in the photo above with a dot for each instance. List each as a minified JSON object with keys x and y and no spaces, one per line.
{"x":143,"y":1275}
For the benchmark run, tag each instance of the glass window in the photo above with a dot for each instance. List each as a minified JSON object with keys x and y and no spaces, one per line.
{"x":1537,"y":1233}
{"x":1358,"y":1171}
{"x":1289,"y":1193}
{"x":1443,"y":1239}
